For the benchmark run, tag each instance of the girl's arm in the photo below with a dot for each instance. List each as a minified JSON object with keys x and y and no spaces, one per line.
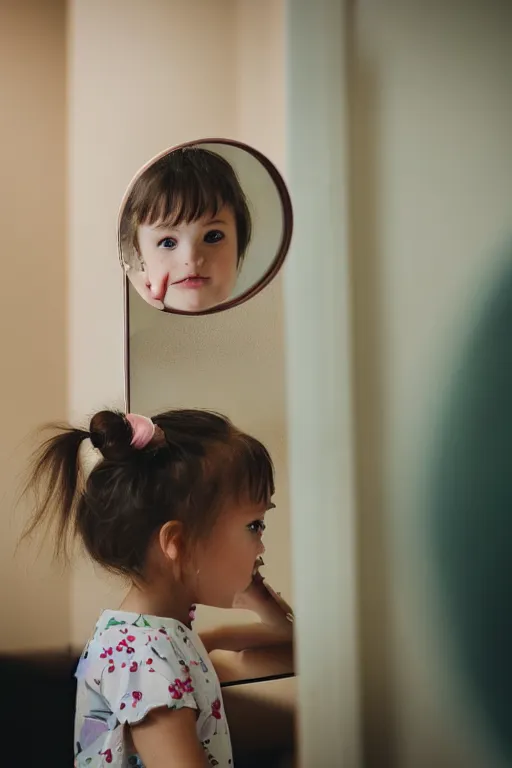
{"x":167,"y":738}
{"x":274,"y":628}
{"x":242,"y":637}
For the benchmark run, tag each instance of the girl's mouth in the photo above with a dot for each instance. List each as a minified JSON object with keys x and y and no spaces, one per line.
{"x":192,"y":281}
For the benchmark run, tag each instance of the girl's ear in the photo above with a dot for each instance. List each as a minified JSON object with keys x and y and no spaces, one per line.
{"x":171,"y":541}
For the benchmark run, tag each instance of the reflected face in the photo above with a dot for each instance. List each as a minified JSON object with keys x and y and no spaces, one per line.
{"x":226,"y":560}
{"x":191,"y":266}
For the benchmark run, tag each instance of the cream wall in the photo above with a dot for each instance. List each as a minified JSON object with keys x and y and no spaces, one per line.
{"x":143,"y":77}
{"x":432,"y":161}
{"x":34,"y":599}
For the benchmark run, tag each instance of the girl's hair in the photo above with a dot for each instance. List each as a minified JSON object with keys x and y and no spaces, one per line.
{"x":180,"y":187}
{"x":200,"y":462}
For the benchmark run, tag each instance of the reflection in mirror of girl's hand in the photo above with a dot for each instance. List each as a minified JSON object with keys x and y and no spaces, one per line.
{"x":138,"y":280}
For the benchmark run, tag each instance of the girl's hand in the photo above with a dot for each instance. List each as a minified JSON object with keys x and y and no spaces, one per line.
{"x":255,"y":593}
{"x":275,"y":627}
{"x":260,"y":598}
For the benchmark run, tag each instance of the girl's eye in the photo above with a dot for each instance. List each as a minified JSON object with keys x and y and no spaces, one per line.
{"x":168,"y":242}
{"x":214,"y":236}
{"x":258,"y":526}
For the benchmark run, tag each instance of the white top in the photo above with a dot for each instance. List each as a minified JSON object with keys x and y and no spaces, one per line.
{"x":133,"y":664}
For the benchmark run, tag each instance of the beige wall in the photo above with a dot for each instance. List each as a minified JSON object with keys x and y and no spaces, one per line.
{"x":142,"y":78}
{"x":34,"y":599}
{"x":432,"y":132}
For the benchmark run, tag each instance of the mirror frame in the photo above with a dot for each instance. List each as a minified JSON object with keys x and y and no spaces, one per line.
{"x":276,"y":263}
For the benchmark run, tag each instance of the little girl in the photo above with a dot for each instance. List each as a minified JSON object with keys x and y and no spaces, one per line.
{"x":177,"y":504}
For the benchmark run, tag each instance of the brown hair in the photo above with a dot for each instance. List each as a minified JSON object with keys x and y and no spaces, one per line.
{"x":180,"y":187}
{"x":199,"y":460}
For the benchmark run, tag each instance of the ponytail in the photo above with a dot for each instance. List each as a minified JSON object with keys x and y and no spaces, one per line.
{"x":53,"y":482}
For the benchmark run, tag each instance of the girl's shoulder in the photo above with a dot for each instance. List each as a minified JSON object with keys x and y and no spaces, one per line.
{"x":128,"y":640}
{"x":137,"y":627}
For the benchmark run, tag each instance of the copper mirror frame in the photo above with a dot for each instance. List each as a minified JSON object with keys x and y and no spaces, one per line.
{"x":284,"y":245}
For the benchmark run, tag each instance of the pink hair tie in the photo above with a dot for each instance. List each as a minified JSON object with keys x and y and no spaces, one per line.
{"x":143,"y":430}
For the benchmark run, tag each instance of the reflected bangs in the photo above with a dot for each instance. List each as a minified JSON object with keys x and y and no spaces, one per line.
{"x":180,"y":200}
{"x":181,"y":188}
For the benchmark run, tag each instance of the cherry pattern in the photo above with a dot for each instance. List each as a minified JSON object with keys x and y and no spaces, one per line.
{"x":181,"y":685}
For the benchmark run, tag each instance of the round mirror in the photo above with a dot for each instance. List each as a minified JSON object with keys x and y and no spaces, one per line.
{"x":204,"y":226}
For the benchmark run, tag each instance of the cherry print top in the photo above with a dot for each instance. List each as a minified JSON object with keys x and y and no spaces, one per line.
{"x":131,"y":665}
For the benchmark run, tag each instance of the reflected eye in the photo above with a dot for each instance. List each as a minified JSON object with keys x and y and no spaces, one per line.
{"x":258,"y":526}
{"x":214,"y":236}
{"x":168,"y":242}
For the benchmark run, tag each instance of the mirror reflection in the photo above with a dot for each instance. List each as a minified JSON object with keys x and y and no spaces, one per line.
{"x":204,"y":226}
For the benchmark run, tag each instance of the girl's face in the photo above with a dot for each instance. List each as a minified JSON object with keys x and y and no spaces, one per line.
{"x":190,"y":267}
{"x":225,"y":562}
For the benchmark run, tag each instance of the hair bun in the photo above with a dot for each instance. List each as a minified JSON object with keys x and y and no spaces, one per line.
{"x":112,"y":435}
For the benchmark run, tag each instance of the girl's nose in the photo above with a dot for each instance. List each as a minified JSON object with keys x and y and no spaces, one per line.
{"x":193,"y":257}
